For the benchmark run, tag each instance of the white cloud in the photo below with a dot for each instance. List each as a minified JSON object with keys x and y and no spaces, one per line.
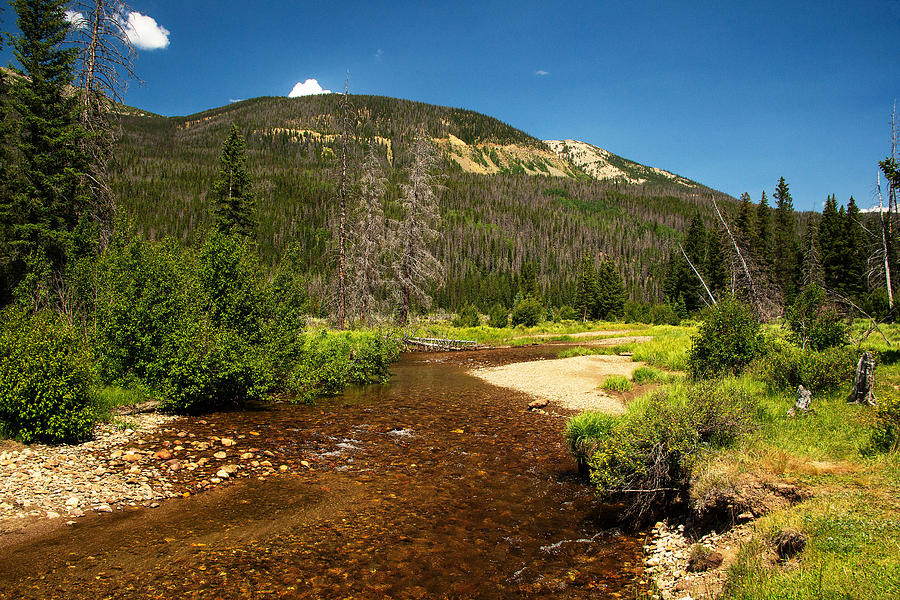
{"x":541,"y":72}
{"x":310,"y":87}
{"x":144,"y":32}
{"x":76,"y":19}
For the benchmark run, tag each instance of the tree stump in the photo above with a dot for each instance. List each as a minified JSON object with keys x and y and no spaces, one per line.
{"x":801,"y":406}
{"x":864,"y":382}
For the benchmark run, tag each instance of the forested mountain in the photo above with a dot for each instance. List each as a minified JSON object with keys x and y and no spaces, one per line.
{"x":531,"y":205}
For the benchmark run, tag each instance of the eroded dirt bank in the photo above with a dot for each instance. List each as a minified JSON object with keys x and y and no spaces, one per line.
{"x":437,"y":485}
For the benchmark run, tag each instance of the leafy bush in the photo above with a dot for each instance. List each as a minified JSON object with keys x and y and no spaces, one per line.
{"x":467,"y":317}
{"x":886,"y":429}
{"x":785,"y":367}
{"x":664,"y":314}
{"x":143,"y":292}
{"x":499,"y":316}
{"x":210,"y":367}
{"x":727,"y":341}
{"x":46,"y":379}
{"x":331,"y":362}
{"x":650,"y":453}
{"x":584,"y":432}
{"x":814,"y":322}
{"x":616,"y":383}
{"x":528,"y":312}
{"x":637,"y":312}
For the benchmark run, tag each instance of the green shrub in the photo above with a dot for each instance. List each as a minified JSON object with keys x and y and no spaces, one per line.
{"x":886,"y":429}
{"x":650,"y":454}
{"x":664,"y":314}
{"x":584,"y":432}
{"x":566,"y":313}
{"x":467,"y":317}
{"x":727,"y":340}
{"x":143,"y":293}
{"x":616,"y":383}
{"x":332,"y":361}
{"x":814,"y":322}
{"x":784,"y":367}
{"x":528,"y":312}
{"x":46,"y":379}
{"x":499,"y":316}
{"x":637,"y":312}
{"x":208,"y":367}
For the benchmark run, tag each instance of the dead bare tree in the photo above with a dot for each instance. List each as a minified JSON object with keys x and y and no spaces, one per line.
{"x":414,"y":264}
{"x":106,"y":65}
{"x":342,"y":209}
{"x":367,"y":239}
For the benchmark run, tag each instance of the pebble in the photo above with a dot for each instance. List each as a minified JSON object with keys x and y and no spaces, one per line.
{"x":220,"y":455}
{"x":227,"y":442}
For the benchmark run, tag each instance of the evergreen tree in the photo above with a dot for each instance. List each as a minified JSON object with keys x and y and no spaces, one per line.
{"x":745,"y":224}
{"x":716,"y":268}
{"x":830,"y":229}
{"x":235,"y":205}
{"x":855,"y":253}
{"x":680,"y":280}
{"x":528,"y":283}
{"x":587,"y":288}
{"x":610,"y":298}
{"x":49,"y":198}
{"x":367,"y":235}
{"x":762,"y":241}
{"x":787,"y":264}
{"x":812,"y":271}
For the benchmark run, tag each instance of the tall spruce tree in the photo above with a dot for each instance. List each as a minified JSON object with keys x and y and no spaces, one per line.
{"x":830,"y":231}
{"x":49,"y":197}
{"x":587,"y":288}
{"x":854,"y":283}
{"x":716,"y":268}
{"x":235,"y":204}
{"x":610,"y":298}
{"x":762,"y":240}
{"x":787,"y":251}
{"x":745,"y":224}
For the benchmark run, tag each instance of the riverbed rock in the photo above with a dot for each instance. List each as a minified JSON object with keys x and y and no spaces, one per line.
{"x":539,"y":403}
{"x":227,"y":442}
{"x":220,"y":455}
{"x":162,"y":454}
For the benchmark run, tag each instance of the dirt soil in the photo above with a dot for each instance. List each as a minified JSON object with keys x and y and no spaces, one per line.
{"x":571,"y":383}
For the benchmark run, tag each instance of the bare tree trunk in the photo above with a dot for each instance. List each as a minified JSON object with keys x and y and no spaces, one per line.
{"x":342,"y":222}
{"x":884,"y":247}
{"x":864,"y":382}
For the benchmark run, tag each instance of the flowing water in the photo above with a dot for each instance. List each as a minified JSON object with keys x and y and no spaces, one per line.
{"x":436,"y":485}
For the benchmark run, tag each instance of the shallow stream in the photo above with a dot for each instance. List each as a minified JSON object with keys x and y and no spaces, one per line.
{"x":436,"y":485}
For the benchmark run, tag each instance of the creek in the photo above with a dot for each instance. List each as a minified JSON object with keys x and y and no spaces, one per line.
{"x":436,"y":485}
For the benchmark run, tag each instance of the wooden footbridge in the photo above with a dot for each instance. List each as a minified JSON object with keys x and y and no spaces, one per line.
{"x":438,"y":344}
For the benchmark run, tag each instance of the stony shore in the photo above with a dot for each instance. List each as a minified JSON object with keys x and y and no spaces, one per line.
{"x":675,"y":570}
{"x":123,"y":467}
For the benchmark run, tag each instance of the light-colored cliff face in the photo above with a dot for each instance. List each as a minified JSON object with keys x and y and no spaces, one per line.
{"x":604,"y":165}
{"x":490,"y":158}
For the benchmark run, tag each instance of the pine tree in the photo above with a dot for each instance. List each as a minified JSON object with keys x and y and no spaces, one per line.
{"x":787,"y":251}
{"x":745,"y":224}
{"x":528,"y":283}
{"x":415,"y":265}
{"x":762,"y":243}
{"x":49,"y":198}
{"x":367,"y":236}
{"x":716,"y":267}
{"x":855,"y":253}
{"x":235,"y":204}
{"x":829,"y":236}
{"x":587,"y":288}
{"x":610,"y":291}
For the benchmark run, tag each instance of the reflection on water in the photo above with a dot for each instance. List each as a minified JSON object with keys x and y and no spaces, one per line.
{"x":434,"y":486}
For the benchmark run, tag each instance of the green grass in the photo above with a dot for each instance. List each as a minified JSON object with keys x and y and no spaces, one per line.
{"x":109,"y":398}
{"x":616,"y":383}
{"x":646,"y":375}
{"x":522,"y":336}
{"x":589,"y":351}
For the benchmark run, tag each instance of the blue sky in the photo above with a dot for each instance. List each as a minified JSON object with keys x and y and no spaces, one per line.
{"x":733,"y":95}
